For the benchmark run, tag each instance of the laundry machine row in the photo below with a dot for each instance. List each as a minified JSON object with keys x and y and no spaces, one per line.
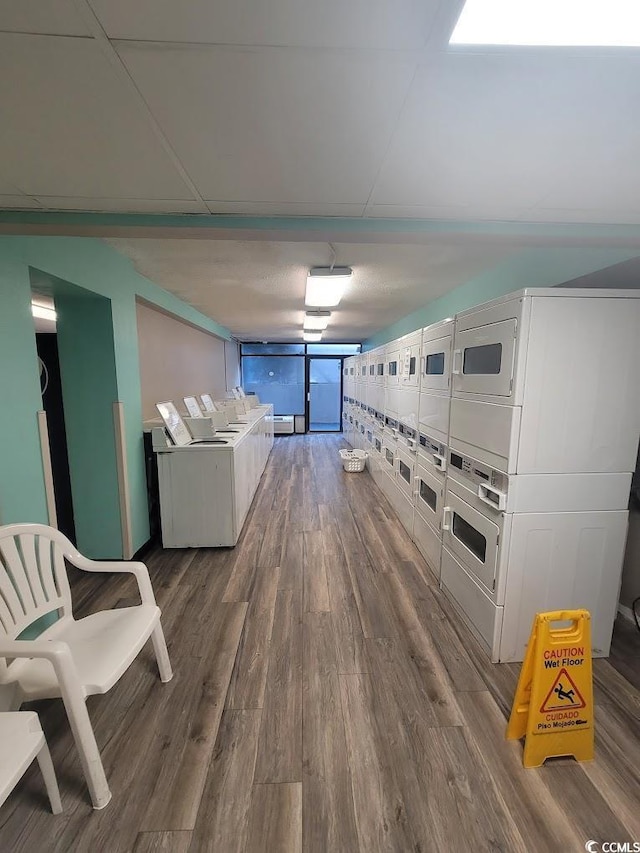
{"x":506,"y":447}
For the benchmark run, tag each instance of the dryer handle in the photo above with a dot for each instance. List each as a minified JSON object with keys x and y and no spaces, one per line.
{"x":446,"y":518}
{"x":456,"y":362}
{"x":440,"y":462}
{"x":494,"y":498}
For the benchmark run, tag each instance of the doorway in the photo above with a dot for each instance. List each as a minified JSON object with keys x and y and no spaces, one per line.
{"x":324,"y":393}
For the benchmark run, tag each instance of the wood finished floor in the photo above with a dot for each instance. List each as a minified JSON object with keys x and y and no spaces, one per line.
{"x":325,"y":699}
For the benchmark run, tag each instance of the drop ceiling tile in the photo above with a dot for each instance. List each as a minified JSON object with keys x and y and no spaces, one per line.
{"x":272,"y":125}
{"x":511,"y":131}
{"x":54,"y":17}
{"x":123,"y":205}
{"x":17,"y":202}
{"x":250,"y":208}
{"x":388,"y":24}
{"x":7,"y":188}
{"x":595,"y":216}
{"x":465,"y":213}
{"x":73,"y":127}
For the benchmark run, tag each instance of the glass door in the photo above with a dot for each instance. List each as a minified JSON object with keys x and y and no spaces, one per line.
{"x":324,"y":394}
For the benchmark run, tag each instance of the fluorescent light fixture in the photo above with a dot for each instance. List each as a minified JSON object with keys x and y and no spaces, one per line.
{"x":42,"y":312}
{"x":312,"y":337}
{"x":554,"y":23}
{"x":325,"y":286}
{"x":317,"y":322}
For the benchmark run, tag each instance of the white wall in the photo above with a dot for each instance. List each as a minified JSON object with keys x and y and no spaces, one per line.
{"x":177,"y":360}
{"x":232,"y":364}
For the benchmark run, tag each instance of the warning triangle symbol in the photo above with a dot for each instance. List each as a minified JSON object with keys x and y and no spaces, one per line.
{"x":564,"y":695}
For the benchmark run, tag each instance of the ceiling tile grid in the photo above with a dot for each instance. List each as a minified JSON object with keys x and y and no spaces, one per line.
{"x":373,"y":24}
{"x":514,"y":132}
{"x":72,"y":128}
{"x":53,"y":17}
{"x":274,"y":125}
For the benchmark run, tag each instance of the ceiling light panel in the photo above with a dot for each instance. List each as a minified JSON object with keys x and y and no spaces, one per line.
{"x":326,"y":286}
{"x":312,"y":337}
{"x":554,"y":23}
{"x":316,"y":322}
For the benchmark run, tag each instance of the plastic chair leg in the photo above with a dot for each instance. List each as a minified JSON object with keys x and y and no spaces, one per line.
{"x":162,"y":655}
{"x":49,"y":776}
{"x":87,"y":748}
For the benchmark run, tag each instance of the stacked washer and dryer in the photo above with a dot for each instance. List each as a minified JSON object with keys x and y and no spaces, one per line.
{"x":514,"y":480}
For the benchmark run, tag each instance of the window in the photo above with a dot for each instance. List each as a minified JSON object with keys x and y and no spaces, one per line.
{"x":434,"y":364}
{"x":393,"y":368}
{"x":277,"y":380}
{"x":333,"y":349}
{"x":412,"y":366}
{"x":389,"y":456}
{"x":469,"y":536}
{"x":405,"y":472}
{"x":380,"y":369}
{"x":485,"y":359}
{"x":272,"y":349}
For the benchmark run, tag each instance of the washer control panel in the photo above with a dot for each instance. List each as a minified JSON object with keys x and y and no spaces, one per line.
{"x":477,"y":472}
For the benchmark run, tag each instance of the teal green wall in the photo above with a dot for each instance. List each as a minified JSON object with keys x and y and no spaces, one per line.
{"x":89,"y":387}
{"x":529,"y":268}
{"x":91,"y":264}
{"x":21,"y":479}
{"x":97,"y":268}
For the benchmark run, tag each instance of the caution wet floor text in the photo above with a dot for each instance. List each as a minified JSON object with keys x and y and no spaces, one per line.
{"x":553,"y":705}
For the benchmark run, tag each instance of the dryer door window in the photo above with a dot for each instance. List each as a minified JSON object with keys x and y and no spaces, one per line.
{"x":436,"y":366}
{"x":429,"y":496}
{"x":475,"y":541}
{"x":483,"y":359}
{"x":473,"y":538}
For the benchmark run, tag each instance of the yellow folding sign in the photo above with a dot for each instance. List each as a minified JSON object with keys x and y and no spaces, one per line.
{"x":553,"y":705}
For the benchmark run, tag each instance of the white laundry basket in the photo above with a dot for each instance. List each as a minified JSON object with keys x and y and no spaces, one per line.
{"x":353,"y":460}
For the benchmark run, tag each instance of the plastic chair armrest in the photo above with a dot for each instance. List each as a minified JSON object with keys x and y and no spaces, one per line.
{"x":139,"y":570}
{"x":55,"y":651}
{"x":59,"y":656}
{"x":48,"y":649}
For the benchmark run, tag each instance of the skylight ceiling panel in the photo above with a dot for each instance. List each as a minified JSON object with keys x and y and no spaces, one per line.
{"x":382,"y":24}
{"x":271,"y":125}
{"x":73,"y":127}
{"x":549,"y":23}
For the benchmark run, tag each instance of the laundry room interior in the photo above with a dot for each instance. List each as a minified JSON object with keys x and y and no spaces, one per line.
{"x":319,"y":355}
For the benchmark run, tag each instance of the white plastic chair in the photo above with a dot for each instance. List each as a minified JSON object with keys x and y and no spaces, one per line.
{"x":22,"y":740}
{"x":72,"y":659}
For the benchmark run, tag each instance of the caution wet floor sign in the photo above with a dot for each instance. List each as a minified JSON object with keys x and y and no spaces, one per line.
{"x":553,"y":705}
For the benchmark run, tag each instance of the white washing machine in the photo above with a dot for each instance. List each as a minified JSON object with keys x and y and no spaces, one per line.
{"x":544,"y":381}
{"x":435,"y":380}
{"x":429,"y":480}
{"x":516,"y":546}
